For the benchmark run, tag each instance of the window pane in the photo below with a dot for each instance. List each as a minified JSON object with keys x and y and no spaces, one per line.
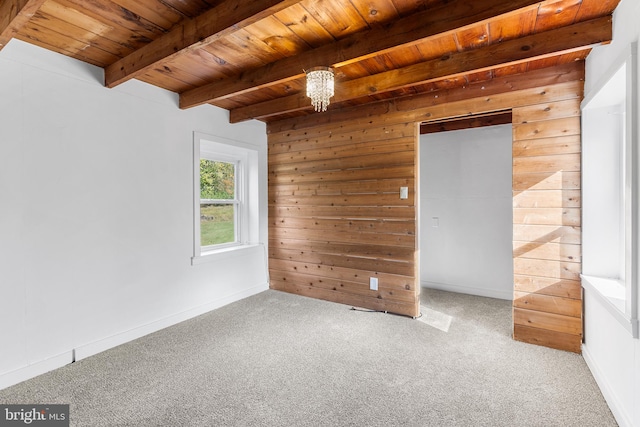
{"x":217,"y":180}
{"x":217,"y":224}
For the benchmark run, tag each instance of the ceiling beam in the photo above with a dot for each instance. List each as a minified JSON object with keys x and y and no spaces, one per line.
{"x":222,"y":20}
{"x":580,"y":36}
{"x":476,"y":121}
{"x":14,"y":14}
{"x":427,"y":106}
{"x":453,"y":16}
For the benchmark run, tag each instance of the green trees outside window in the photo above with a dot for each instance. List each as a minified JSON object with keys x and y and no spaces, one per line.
{"x":217,"y":202}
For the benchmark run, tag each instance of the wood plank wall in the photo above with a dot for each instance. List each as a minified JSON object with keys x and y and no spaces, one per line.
{"x":336,"y":219}
{"x":547,"y":305}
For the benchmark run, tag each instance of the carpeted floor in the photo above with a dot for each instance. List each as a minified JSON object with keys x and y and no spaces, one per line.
{"x":277,"y":359}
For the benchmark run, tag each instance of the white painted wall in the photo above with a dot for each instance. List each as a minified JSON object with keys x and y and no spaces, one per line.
{"x":602,"y":251}
{"x":96,"y":212}
{"x":610,"y":351}
{"x":465,"y":182}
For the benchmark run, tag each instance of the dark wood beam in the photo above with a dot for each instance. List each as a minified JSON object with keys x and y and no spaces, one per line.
{"x":413,"y":105}
{"x":451,"y":17}
{"x":475,"y":121}
{"x":220,"y":21}
{"x":580,"y":36}
{"x":14,"y":14}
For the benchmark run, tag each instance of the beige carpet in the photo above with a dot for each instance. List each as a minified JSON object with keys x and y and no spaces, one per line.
{"x":277,"y":359}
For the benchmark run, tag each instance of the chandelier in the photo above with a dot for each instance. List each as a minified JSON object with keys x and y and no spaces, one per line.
{"x":320,"y":87}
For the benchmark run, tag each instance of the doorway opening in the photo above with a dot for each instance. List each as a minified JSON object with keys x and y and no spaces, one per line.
{"x":466,"y":207}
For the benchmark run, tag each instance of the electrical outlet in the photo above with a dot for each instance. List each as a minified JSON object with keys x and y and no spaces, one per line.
{"x":373,"y":283}
{"x":404,"y":192}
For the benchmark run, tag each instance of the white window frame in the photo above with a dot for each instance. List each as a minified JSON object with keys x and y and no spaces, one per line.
{"x":225,"y":150}
{"x":617,"y":291}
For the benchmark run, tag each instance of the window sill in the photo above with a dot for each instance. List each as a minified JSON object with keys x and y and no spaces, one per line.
{"x":611,"y":293}
{"x":222,"y":253}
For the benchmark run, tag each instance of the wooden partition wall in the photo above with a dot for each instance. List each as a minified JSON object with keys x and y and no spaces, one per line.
{"x":336,"y":218}
{"x":547,"y":304}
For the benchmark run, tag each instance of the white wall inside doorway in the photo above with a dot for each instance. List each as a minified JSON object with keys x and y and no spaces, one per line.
{"x":466,"y":211}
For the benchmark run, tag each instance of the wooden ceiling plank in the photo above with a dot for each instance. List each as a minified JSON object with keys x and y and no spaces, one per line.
{"x":590,"y":10}
{"x":14,"y":14}
{"x":157,"y":13}
{"x":87,"y":33}
{"x":27,"y":38}
{"x":220,"y":21}
{"x":115,"y":15}
{"x":376,"y":12}
{"x":554,"y":14}
{"x":273,"y":33}
{"x":361,"y":69}
{"x":221,"y":53}
{"x":340,"y":20}
{"x":75,"y":17}
{"x":514,"y":26}
{"x":234,"y":54}
{"x":187,"y":9}
{"x":200,"y":65}
{"x":252,"y":47}
{"x":510,"y":69}
{"x":169,"y":80}
{"x":551,"y":43}
{"x":547,"y":62}
{"x":479,"y":77}
{"x":473,"y":37}
{"x":177,"y":71}
{"x":408,"y":31}
{"x":54,"y":44}
{"x":103,"y":24}
{"x":409,"y":56}
{"x":405,"y":7}
{"x":377,"y":64}
{"x":66,"y":42}
{"x":304,"y":26}
{"x":436,"y":46}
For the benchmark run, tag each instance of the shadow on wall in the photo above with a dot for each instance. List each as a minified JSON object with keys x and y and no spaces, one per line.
{"x":547,"y":254}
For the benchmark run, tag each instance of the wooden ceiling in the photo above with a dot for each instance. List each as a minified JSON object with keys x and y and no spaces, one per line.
{"x":249,"y":56}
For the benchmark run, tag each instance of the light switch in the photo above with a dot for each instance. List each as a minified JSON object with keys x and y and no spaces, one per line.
{"x":435,"y":222}
{"x":404,"y":192}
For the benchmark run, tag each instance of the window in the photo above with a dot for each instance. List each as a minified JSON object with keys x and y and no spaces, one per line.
{"x":220,"y":201}
{"x":225,"y":203}
{"x":609,"y":191}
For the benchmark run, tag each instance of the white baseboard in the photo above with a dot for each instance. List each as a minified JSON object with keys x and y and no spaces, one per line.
{"x":33,"y":370}
{"x":83,"y":351}
{"x":481,"y":292}
{"x":86,"y":350}
{"x":622,"y":418}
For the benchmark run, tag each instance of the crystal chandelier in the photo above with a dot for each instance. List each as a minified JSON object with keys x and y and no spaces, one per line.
{"x":320,"y":87}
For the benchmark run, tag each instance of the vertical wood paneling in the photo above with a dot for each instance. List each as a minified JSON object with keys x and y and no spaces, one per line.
{"x":336,"y":219}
